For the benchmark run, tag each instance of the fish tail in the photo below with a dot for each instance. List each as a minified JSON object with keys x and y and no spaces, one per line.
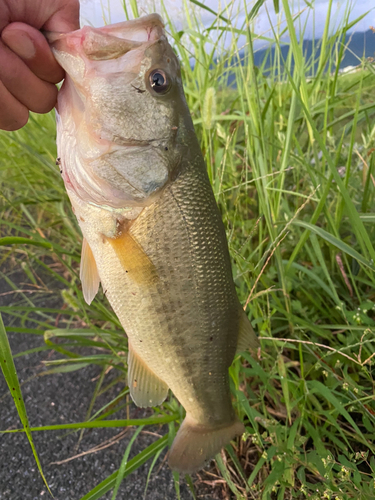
{"x":195,"y":444}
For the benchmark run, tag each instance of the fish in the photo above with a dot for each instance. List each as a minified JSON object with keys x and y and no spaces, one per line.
{"x":153,"y":235}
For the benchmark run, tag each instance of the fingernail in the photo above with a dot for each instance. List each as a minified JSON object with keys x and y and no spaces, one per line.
{"x":20,"y":43}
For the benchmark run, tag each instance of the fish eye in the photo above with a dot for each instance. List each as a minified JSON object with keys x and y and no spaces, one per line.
{"x":159,"y":81}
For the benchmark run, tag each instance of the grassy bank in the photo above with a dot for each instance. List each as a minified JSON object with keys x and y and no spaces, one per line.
{"x":292,"y":165}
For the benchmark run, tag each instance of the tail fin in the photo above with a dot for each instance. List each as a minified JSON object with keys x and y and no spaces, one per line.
{"x":196,"y":444}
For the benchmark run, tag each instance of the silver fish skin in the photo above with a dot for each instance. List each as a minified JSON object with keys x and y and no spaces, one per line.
{"x":153,"y":234}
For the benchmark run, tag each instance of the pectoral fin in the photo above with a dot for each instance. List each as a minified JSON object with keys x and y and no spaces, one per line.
{"x":134,"y":261}
{"x":88,"y":273}
{"x":146,"y":389}
{"x":247,"y":338}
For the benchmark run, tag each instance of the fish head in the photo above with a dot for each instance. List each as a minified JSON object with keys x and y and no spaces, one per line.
{"x":122,"y":111}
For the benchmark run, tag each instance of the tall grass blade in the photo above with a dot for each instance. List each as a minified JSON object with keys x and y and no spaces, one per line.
{"x":124,"y":463}
{"x":11,"y":378}
{"x":339,"y":244}
{"x":208,"y":9}
{"x":156,"y":420}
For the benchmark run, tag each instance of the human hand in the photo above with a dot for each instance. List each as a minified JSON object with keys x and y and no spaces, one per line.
{"x":28,"y":69}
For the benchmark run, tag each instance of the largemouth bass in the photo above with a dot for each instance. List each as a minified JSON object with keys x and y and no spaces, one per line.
{"x":153,"y":234}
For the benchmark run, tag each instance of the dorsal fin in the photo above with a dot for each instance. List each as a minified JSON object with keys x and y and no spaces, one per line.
{"x":88,"y":273}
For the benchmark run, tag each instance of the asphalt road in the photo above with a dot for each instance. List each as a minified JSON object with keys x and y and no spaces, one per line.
{"x":60,"y":398}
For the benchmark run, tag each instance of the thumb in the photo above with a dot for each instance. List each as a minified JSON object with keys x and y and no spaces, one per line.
{"x":31,"y":46}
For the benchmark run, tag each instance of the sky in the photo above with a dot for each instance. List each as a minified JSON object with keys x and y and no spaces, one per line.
{"x":99,"y":12}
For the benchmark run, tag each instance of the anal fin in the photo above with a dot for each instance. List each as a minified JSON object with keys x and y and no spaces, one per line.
{"x":247,"y":338}
{"x":88,"y":273}
{"x":146,"y":388}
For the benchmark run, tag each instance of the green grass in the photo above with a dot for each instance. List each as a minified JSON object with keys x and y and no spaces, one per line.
{"x":291,"y":161}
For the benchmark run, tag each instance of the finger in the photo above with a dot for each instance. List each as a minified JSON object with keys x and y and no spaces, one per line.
{"x":31,"y":46}
{"x":13,"y":114}
{"x":36,"y":94}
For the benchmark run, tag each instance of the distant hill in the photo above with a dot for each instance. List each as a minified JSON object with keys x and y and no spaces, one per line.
{"x":359,"y":45}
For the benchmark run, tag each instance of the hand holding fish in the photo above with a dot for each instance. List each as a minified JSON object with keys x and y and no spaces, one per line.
{"x":28,"y":69}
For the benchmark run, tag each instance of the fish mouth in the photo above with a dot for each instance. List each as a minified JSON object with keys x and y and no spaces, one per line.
{"x":109,"y":42}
